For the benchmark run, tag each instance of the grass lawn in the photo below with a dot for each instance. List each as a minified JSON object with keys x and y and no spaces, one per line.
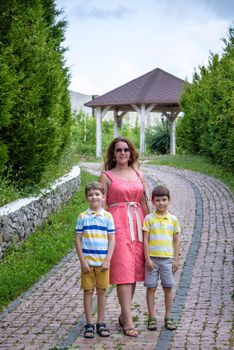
{"x":24,"y":265}
{"x":197,"y":163}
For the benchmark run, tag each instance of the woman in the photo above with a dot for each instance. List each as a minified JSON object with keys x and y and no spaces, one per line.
{"x":123,"y":182}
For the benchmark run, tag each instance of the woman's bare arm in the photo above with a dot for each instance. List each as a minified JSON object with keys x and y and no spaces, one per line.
{"x":105,"y":181}
{"x":144,"y":200}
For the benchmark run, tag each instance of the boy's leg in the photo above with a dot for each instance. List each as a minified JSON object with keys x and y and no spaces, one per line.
{"x":150,"y":297}
{"x":88,"y":295}
{"x":102,"y":283}
{"x":101,"y":304}
{"x":87,"y":284}
{"x":170,"y":323}
{"x":151,"y":282}
{"x":167,"y":283}
{"x":102,"y":330}
{"x":168,"y":294}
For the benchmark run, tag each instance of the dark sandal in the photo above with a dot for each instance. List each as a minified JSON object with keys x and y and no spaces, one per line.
{"x":152,"y":324}
{"x":130,"y":332}
{"x":102,"y":330}
{"x":170,"y":323}
{"x":89,"y":331}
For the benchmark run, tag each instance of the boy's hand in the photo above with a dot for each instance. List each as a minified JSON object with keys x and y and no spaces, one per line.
{"x":85,"y":267}
{"x":149,"y":264}
{"x":105,"y":265}
{"x":175,"y":265}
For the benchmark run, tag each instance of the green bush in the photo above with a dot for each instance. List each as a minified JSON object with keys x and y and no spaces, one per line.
{"x":83,"y":139}
{"x":8,"y":191}
{"x":158,"y":139}
{"x":35,"y":105}
{"x":207,"y":127}
{"x":133,"y":133}
{"x":83,"y":134}
{"x":82,"y":142}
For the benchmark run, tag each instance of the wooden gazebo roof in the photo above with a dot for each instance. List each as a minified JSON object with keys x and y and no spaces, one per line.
{"x":156,"y":91}
{"x":156,"y":87}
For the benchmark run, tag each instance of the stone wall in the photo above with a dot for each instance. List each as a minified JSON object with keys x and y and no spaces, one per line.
{"x":20,"y":218}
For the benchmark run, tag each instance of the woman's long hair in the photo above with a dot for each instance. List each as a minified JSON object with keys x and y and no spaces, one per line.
{"x":109,"y":160}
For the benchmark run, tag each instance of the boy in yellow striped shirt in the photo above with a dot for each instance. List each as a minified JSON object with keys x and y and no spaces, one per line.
{"x":161,"y":247}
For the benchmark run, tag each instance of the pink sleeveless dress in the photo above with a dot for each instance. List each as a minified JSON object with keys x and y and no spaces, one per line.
{"x":127,"y":263}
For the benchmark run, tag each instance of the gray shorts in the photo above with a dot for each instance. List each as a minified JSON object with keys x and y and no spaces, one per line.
{"x":162,"y":269}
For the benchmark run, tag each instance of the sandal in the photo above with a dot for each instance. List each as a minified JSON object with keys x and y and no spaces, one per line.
{"x":170,"y":323}
{"x":152,"y":324}
{"x":102,"y":330}
{"x":89,"y":331}
{"x":130,"y":332}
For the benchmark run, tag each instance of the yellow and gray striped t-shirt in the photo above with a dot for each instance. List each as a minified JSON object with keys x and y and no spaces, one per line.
{"x":161,"y":229}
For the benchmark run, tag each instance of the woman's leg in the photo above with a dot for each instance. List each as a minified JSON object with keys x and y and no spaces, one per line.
{"x":133,"y":289}
{"x":125,"y":293}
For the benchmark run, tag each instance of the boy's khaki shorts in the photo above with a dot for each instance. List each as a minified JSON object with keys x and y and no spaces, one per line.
{"x":95,"y":278}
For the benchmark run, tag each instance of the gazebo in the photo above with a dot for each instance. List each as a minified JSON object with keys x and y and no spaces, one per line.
{"x":156,"y":91}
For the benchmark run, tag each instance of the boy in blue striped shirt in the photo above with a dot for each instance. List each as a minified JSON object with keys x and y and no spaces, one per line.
{"x":95,"y":241}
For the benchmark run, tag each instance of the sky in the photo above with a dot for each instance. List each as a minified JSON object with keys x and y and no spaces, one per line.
{"x":111,"y":42}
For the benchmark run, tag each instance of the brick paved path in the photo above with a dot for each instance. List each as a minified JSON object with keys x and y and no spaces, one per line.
{"x":51,"y":313}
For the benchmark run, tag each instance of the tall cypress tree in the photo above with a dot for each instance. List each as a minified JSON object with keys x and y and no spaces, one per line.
{"x":35,"y":118}
{"x":208,"y":103}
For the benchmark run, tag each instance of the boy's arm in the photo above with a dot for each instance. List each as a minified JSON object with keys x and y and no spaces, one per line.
{"x":176,"y":247}
{"x":148,"y":261}
{"x":83,"y":263}
{"x":111,"y":246}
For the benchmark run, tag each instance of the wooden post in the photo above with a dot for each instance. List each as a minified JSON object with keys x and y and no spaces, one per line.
{"x":142,"y":111}
{"x":100,"y":114}
{"x":173,"y":138}
{"x":147,"y":111}
{"x":115,"y":124}
{"x":98,"y":132}
{"x":172,"y":117}
{"x":142,"y":136}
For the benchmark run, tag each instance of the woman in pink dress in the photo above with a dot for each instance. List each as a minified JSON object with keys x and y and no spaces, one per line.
{"x":123,"y":182}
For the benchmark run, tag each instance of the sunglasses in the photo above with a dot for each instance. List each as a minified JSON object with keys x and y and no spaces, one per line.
{"x":121,"y":150}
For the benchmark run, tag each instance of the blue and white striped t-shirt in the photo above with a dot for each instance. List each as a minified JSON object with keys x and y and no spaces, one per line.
{"x":95,"y":228}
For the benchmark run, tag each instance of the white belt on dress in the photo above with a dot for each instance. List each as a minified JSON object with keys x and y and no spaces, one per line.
{"x":130,"y":219}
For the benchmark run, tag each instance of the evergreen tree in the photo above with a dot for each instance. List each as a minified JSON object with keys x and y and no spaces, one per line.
{"x":208,"y":104}
{"x":35,"y":115}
